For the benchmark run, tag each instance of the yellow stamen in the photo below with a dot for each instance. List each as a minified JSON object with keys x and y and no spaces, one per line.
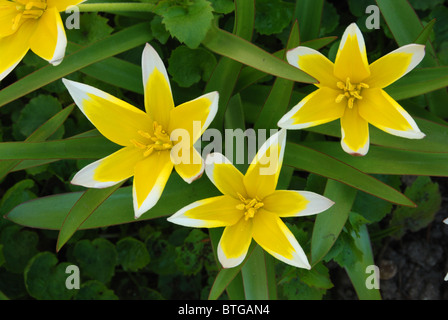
{"x":159,"y":140}
{"x":351,"y":91}
{"x":249,"y":206}
{"x":28,"y":10}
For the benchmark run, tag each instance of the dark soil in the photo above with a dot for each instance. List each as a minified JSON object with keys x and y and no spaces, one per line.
{"x":413,"y":267}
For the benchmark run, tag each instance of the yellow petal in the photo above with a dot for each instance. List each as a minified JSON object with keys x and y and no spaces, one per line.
{"x":234,"y":243}
{"x":158,"y":97}
{"x":62,"y":5}
{"x":351,"y":59}
{"x":289,"y":203}
{"x":355,"y":132}
{"x":49,"y":40}
{"x":395,"y":65}
{"x":193,"y":166}
{"x":381,"y":110}
{"x":262,"y":175}
{"x":117,"y":120}
{"x":110,"y":170}
{"x":273,"y":235}
{"x":193,"y":118}
{"x":15,"y":46}
{"x":8,"y":12}
{"x":315,"y":64}
{"x":317,"y":108}
{"x":150,"y":177}
{"x":227,"y":178}
{"x":209,"y":213}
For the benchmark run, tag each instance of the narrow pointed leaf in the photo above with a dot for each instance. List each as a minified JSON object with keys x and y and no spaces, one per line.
{"x":236,"y":48}
{"x":40,"y":134}
{"x":304,"y":158}
{"x":358,"y":272}
{"x":328,"y":224}
{"x":50,"y":212}
{"x":382,"y":160}
{"x":83,"y":208}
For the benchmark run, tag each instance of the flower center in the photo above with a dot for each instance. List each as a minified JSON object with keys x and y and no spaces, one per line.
{"x":249,"y":206}
{"x":351,"y":91}
{"x":28,"y":10}
{"x":159,"y":141}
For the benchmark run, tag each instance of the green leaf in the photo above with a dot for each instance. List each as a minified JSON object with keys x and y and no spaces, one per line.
{"x":17,"y":194}
{"x":45,"y":278}
{"x":223,"y":6}
{"x":302,"y":284}
{"x":81,"y":211}
{"x":381,"y":160}
{"x":238,"y":49}
{"x":96,"y":259}
{"x":372,"y":208}
{"x":425,"y":5}
{"x":272,"y":16}
{"x":427,"y":196}
{"x":119,"y":42}
{"x":227,"y":71}
{"x":250,"y":75}
{"x":132,"y":254}
{"x":19,"y":246}
{"x":189,"y":66}
{"x":255,"y":278}
{"x":330,"y":19}
{"x":50,"y":212}
{"x":418,"y":82}
{"x":188,"y":22}
{"x":309,"y":15}
{"x":39,"y":110}
{"x":328,"y":224}
{"x":73,"y":148}
{"x":190,"y":255}
{"x":158,"y":30}
{"x":312,"y":161}
{"x":94,"y":28}
{"x":95,"y":290}
{"x":117,"y":72}
{"x":357,"y":272}
{"x":278,"y":100}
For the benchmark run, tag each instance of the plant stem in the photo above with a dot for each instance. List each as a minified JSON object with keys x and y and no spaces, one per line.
{"x":116,"y":7}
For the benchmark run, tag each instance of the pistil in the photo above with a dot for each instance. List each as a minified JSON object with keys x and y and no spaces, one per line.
{"x":351,"y":91}
{"x":249,"y":206}
{"x":158,"y":141}
{"x":28,"y":10}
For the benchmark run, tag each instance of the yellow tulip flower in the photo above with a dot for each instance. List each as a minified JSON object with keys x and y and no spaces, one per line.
{"x":352,"y":90}
{"x":250,"y":207}
{"x":146,"y":137}
{"x":35,"y":25}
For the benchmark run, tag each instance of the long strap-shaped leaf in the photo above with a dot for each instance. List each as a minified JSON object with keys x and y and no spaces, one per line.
{"x":382,"y":160}
{"x":236,"y":48}
{"x":359,"y":273}
{"x":51,"y":211}
{"x":74,"y":148}
{"x":313,"y":161}
{"x":40,"y":134}
{"x":328,"y":224}
{"x":119,"y":42}
{"x":81,"y":211}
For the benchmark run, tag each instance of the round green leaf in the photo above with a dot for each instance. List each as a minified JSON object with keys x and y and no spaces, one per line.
{"x":45,"y":278}
{"x":132,"y":254}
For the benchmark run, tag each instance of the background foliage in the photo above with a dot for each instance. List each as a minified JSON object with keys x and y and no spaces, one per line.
{"x":152,"y":259}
